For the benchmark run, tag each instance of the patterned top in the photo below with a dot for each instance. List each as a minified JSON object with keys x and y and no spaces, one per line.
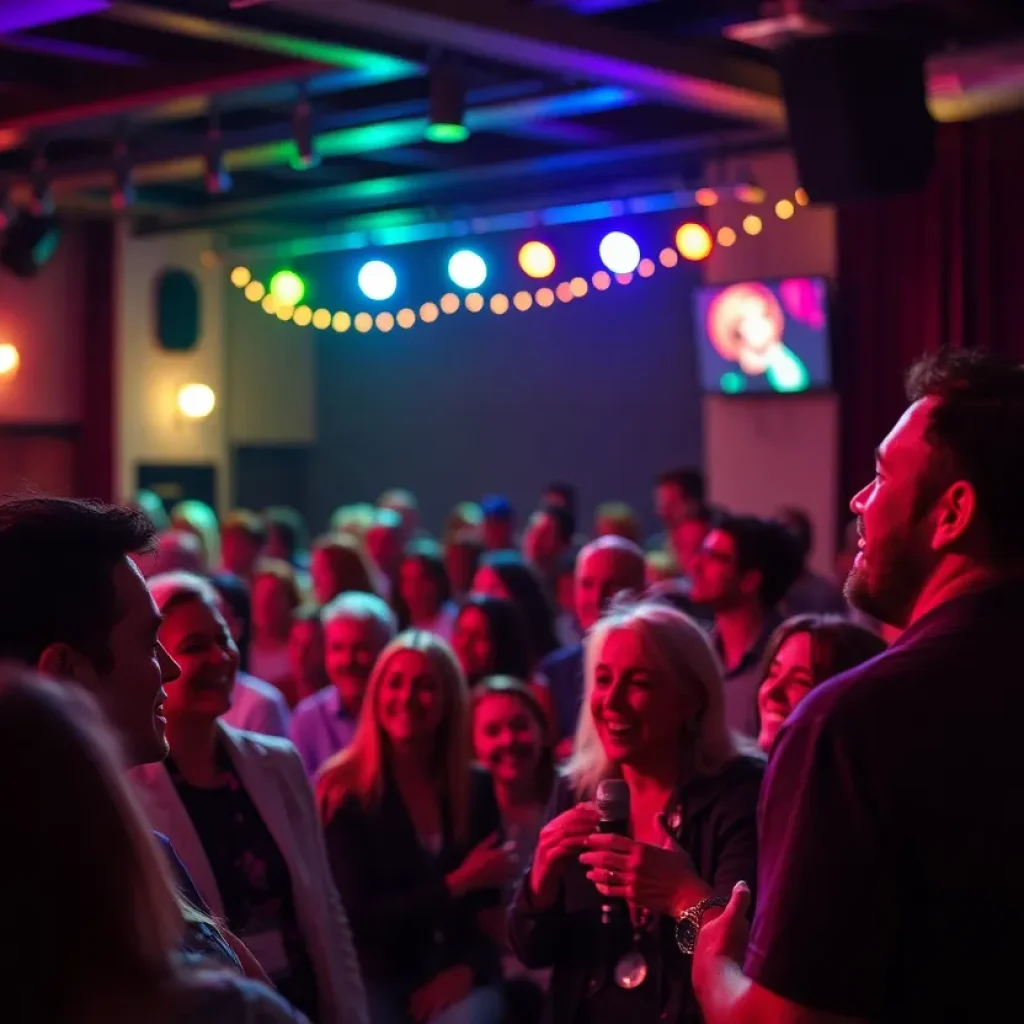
{"x":253,"y":880}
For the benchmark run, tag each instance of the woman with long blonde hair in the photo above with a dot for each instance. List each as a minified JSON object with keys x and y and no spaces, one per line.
{"x":80,"y":859}
{"x":615,"y":912}
{"x":412,"y":838}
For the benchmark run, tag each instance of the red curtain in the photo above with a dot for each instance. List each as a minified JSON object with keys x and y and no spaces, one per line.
{"x":942,"y":267}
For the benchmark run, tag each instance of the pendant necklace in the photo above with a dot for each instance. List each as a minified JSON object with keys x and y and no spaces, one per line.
{"x":631,"y":967}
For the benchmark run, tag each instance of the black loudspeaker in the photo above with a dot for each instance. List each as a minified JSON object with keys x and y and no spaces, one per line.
{"x":858,"y":122}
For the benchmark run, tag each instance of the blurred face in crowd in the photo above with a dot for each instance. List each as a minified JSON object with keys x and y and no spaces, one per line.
{"x":717,"y":580}
{"x":896,"y":522}
{"x":497,"y":533}
{"x":635,"y":702}
{"x":507,"y":739}
{"x":790,"y":678}
{"x":279,"y":543}
{"x":384,"y":544}
{"x":686,"y":539}
{"x":600,"y":575}
{"x":471,"y":640}
{"x":542,"y":543}
{"x":306,"y":651}
{"x":130,"y":682}
{"x":198,"y":639}
{"x":271,"y":606}
{"x":488,"y":583}
{"x":351,"y":648}
{"x":410,"y":699}
{"x":672,"y":504}
{"x":239,"y":551}
{"x":419,"y":590}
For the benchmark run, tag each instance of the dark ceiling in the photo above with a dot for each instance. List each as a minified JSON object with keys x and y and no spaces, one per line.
{"x":563,"y":98}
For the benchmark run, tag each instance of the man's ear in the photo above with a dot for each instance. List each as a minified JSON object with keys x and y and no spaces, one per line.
{"x":750,"y":582}
{"x":61,"y":661}
{"x":956,"y":513}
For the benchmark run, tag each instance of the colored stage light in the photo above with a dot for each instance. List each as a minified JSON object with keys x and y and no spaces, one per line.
{"x":254,"y":291}
{"x":302,"y":316}
{"x":196,"y":401}
{"x":474,"y":302}
{"x":322,"y":319}
{"x":726,"y":236}
{"x":10,"y":360}
{"x":287,"y":287}
{"x":467,"y":269}
{"x":693,"y":242}
{"x":784,"y":209}
{"x":752,"y":224}
{"x":447,"y":132}
{"x":619,"y":252}
{"x":537,"y":260}
{"x":377,"y":280}
{"x":241,"y":276}
{"x":341,"y":321}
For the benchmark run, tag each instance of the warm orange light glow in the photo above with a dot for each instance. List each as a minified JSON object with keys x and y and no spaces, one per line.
{"x":624,"y":278}
{"x":579,"y":287}
{"x":499,"y":303}
{"x":749,"y":193}
{"x":405,"y":318}
{"x":784,"y":209}
{"x":341,"y":322}
{"x":694,"y":242}
{"x":801,"y":197}
{"x":449,"y":302}
{"x":10,"y":360}
{"x":537,"y":260}
{"x":322,"y":319}
{"x":705,"y":197}
{"x":545,"y":297}
{"x":284,"y":311}
{"x":385,"y":321}
{"x":241,"y":276}
{"x":363,"y":322}
{"x":474,"y":302}
{"x":522,"y":301}
{"x":752,"y":224}
{"x":302,"y":316}
{"x":564,"y":292}
{"x":668,"y":257}
{"x":269,"y":303}
{"x":645,"y":268}
{"x":601,"y":280}
{"x":254,"y":291}
{"x":429,"y":312}
{"x":196,"y":401}
{"x":726,"y":237}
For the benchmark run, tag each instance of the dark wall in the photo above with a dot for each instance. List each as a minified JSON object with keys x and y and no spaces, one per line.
{"x":601,"y":392}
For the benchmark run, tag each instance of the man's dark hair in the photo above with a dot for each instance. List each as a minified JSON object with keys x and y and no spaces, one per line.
{"x":768,"y":548}
{"x":57,"y":557}
{"x":977,"y":430}
{"x":564,"y":521}
{"x":689,"y":481}
{"x":289,"y":525}
{"x":566,"y":494}
{"x":798,"y":522}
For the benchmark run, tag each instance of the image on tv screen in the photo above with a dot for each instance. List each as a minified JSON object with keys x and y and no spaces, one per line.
{"x":763,"y":337}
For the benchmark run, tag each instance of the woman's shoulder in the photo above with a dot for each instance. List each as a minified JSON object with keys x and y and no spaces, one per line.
{"x":216,"y":998}
{"x":737,"y":786}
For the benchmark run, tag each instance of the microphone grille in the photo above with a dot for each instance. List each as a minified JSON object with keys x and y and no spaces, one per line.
{"x":612,"y":800}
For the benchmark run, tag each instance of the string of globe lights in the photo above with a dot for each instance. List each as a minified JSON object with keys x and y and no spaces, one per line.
{"x":623,"y":261}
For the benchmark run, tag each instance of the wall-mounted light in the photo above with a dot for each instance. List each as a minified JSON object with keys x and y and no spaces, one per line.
{"x":196,"y":401}
{"x":10,"y":360}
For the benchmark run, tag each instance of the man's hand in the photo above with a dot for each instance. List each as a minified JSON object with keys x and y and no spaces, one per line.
{"x":722,"y":941}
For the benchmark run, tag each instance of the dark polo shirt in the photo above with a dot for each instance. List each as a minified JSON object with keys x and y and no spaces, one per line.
{"x":891,"y":877}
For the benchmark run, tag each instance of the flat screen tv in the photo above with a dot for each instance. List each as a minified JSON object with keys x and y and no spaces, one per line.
{"x":763,"y":337}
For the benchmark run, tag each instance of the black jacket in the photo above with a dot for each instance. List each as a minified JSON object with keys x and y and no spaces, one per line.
{"x":714,"y":818}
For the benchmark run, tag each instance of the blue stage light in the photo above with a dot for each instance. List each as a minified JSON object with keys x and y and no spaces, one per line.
{"x":377,"y":280}
{"x":619,"y":252}
{"x":467,"y":269}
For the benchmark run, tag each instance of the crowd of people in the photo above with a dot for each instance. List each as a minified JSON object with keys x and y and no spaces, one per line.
{"x":366,"y":780}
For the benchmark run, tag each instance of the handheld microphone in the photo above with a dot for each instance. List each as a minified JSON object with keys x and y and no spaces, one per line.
{"x":612,"y":818}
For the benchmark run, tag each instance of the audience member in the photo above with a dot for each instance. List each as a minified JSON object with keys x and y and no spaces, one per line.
{"x":198,"y":518}
{"x":548,"y":536}
{"x":175,"y":551}
{"x":357,"y":627}
{"x":423,"y":597}
{"x":77,"y":852}
{"x":462,"y":552}
{"x":408,"y":508}
{"x":660,"y":568}
{"x":353,"y":520}
{"x":567,"y":626}
{"x":306,"y":654}
{"x":412,"y":835}
{"x":864,"y":862}
{"x":464,"y":516}
{"x":287,"y":536}
{"x":241,"y":814}
{"x":744,"y":569}
{"x":338,"y":565}
{"x":678,"y":498}
{"x":385,"y":542}
{"x":616,"y":519}
{"x":153,"y":508}
{"x":605,"y":567}
{"x":654,"y":716}
{"x":801,"y":654}
{"x":561,"y":494}
{"x":498,"y":531}
{"x":812,"y":593}
{"x":275,"y":596}
{"x":489,"y":638}
{"x":243,"y":535}
{"x":506,"y":575}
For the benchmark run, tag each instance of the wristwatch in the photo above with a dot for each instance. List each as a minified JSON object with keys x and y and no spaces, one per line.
{"x":689,"y":921}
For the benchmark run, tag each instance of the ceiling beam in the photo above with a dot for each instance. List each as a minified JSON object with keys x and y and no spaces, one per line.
{"x":549,"y":41}
{"x":48,"y":46}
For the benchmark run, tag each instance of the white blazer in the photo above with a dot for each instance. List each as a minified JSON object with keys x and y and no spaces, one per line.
{"x":271,"y":772}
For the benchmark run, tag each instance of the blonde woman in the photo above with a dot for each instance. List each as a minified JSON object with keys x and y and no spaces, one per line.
{"x":412,"y":837}
{"x":239,"y":810}
{"x":80,"y":854}
{"x":616,"y":915}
